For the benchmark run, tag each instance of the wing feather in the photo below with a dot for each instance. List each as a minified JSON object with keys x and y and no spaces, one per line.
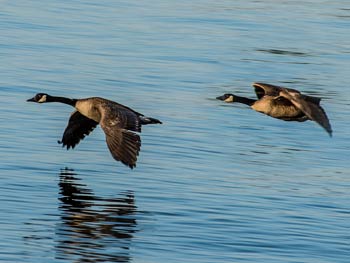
{"x":124,"y":145}
{"x":312,"y":110}
{"x":262,"y":89}
{"x":78,"y":127}
{"x":118,"y":124}
{"x":126,"y":118}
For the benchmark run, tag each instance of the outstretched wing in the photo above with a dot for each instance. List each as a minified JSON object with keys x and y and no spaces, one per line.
{"x":124,"y":145}
{"x":262,"y":89}
{"x":310,"y":107}
{"x":118,"y":124}
{"x":78,"y":127}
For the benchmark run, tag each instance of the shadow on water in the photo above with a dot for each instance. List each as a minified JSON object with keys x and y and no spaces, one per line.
{"x":92,"y":228}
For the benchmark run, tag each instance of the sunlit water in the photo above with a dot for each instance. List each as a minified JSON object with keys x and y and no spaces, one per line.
{"x":215,"y":182}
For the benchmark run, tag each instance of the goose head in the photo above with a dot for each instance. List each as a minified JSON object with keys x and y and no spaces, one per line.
{"x":228,"y":97}
{"x":39,"y":98}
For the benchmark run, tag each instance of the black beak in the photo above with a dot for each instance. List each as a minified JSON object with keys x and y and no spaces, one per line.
{"x":32,"y":99}
{"x":221,"y":97}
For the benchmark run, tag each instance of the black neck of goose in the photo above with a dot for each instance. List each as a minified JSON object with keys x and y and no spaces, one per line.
{"x":64,"y":100}
{"x":244,"y":100}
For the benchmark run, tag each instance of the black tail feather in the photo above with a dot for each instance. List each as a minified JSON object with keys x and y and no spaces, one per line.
{"x":149,"y":120}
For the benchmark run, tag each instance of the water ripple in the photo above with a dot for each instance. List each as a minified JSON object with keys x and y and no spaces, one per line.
{"x":92,"y":228}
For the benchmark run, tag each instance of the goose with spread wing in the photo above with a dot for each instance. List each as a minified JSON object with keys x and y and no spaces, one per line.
{"x":284,"y":103}
{"x":119,"y":123}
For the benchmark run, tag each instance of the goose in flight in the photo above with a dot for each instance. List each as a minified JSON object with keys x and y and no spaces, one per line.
{"x":118,"y":122}
{"x":284,"y":103}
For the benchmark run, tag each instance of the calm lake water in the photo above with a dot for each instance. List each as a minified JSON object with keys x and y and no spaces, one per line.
{"x":214,"y":183}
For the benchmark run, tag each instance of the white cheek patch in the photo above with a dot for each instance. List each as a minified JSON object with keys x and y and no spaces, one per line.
{"x":42,"y":99}
{"x":229,"y":99}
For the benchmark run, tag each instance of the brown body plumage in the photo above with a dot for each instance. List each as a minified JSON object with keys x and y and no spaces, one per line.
{"x":118,"y":122}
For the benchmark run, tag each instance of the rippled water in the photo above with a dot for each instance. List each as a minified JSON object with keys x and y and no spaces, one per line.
{"x":215,"y":182}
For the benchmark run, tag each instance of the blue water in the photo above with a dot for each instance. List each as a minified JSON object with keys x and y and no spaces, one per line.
{"x":214,"y":183}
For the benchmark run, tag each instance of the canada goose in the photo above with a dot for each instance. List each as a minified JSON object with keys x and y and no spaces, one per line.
{"x":118,"y":122}
{"x":284,"y":103}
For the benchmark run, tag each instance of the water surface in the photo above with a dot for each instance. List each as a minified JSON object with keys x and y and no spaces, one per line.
{"x":215,"y":182}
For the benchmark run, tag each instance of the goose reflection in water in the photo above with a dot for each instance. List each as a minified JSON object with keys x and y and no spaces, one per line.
{"x":93,"y":229}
